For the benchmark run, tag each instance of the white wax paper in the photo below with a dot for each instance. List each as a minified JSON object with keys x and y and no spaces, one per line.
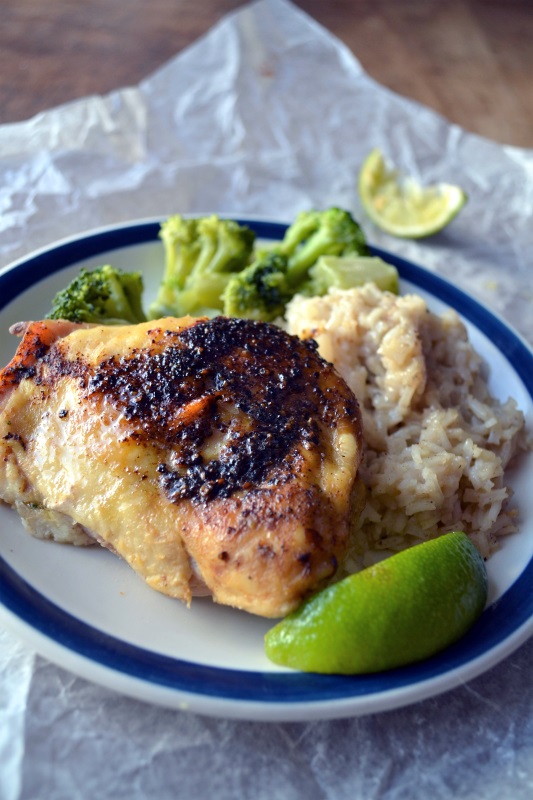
{"x":266,"y":115}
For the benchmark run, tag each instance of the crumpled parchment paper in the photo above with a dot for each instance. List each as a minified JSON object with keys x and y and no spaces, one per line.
{"x":266,"y":115}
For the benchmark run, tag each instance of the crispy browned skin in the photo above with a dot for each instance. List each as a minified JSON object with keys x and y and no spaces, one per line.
{"x":222,"y":450}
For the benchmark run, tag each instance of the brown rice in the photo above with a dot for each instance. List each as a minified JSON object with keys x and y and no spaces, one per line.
{"x":437,"y":442}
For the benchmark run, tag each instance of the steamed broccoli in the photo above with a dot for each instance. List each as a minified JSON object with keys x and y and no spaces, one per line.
{"x":263,"y":289}
{"x":260,"y":291}
{"x":201,"y":255}
{"x":332,"y":232}
{"x":106,"y":296}
{"x":347,"y":272}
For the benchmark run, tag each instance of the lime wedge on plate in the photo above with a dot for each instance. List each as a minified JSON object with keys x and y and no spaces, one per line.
{"x":399,"y":611}
{"x":402,"y":207}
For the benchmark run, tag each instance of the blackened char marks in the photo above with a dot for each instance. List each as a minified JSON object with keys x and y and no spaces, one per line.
{"x":174,"y":394}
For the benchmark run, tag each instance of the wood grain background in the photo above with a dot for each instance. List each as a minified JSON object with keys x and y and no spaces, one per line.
{"x":470,"y":60}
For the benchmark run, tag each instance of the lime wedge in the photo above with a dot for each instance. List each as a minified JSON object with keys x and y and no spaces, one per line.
{"x":402,"y":207}
{"x":397,"y":612}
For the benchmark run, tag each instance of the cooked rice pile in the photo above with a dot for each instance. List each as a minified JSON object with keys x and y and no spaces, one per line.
{"x":437,"y":442}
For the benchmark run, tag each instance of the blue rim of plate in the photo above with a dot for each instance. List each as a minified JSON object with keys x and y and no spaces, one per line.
{"x":502,"y":621}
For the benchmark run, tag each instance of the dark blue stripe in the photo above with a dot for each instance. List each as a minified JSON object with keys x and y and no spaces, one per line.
{"x":495,"y":625}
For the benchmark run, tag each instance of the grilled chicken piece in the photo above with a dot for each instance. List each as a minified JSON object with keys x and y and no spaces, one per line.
{"x":214,"y":456}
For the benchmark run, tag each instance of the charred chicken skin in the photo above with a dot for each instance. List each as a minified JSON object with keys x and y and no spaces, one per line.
{"x":215,"y":456}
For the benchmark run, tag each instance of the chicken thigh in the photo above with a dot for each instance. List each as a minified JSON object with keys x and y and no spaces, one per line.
{"x":215,"y":456}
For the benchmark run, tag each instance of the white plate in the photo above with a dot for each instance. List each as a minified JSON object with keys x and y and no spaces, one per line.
{"x":87,"y":611}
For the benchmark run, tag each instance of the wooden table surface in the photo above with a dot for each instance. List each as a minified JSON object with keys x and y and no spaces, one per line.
{"x":470,"y":60}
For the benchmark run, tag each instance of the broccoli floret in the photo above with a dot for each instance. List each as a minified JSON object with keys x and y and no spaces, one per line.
{"x":261,"y":290}
{"x":201,"y":255}
{"x":106,"y":296}
{"x":332,"y":232}
{"x":278,"y":272}
{"x":347,"y":272}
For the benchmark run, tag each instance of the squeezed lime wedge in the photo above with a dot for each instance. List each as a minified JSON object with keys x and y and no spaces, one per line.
{"x":401,"y":206}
